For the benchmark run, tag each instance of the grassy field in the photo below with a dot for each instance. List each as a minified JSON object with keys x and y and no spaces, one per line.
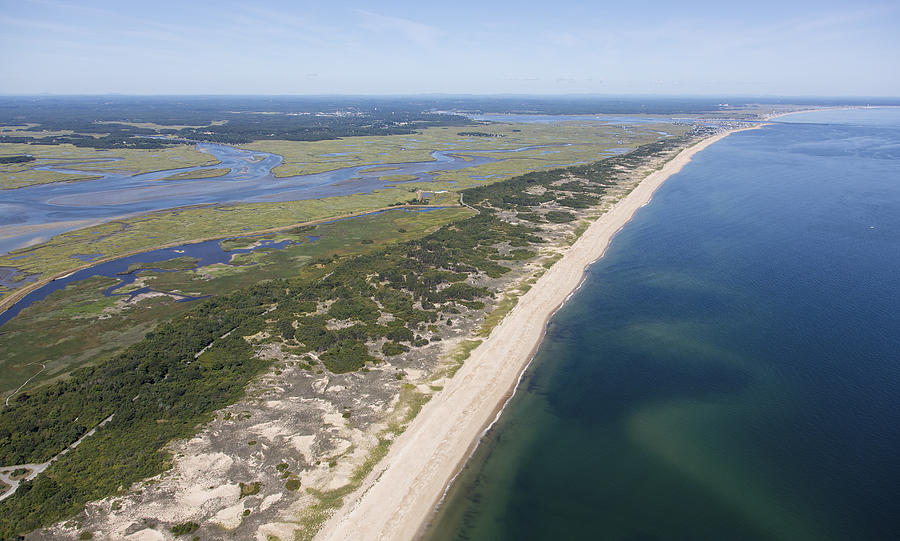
{"x":125,"y":161}
{"x":584,"y":143}
{"x":158,"y":127}
{"x":79,"y":325}
{"x":18,"y":176}
{"x":65,"y":331}
{"x":171,"y":226}
{"x":23,"y":131}
{"x":200,"y":173}
{"x":587,"y":140}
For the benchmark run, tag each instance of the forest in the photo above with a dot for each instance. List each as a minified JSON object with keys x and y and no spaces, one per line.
{"x":137,"y":122}
{"x":130,"y":121}
{"x":17,"y":159}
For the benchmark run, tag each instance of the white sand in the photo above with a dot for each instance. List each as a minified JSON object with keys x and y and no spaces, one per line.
{"x":400,"y":494}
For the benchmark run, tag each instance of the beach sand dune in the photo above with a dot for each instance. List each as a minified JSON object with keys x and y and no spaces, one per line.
{"x":398,"y":497}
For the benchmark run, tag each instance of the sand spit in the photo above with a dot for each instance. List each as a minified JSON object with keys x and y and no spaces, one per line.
{"x":399,"y":495}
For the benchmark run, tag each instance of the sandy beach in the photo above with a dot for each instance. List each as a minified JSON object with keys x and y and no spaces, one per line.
{"x":400,"y":494}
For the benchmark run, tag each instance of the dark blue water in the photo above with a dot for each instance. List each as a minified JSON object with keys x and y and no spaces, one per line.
{"x":730,"y":370}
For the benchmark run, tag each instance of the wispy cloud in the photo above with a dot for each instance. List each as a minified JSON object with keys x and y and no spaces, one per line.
{"x":41,"y":25}
{"x":419,"y":33}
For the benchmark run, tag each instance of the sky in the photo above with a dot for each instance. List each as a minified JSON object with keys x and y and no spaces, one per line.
{"x":759,"y":48}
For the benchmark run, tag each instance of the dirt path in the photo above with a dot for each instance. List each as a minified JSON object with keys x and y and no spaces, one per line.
{"x":6,"y":472}
{"x":14,"y":393}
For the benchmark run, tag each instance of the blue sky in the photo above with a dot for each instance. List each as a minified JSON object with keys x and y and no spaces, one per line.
{"x":197,"y":47}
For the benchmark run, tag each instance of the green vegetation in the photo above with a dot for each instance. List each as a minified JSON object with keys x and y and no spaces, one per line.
{"x":177,"y":263}
{"x":163,"y":388}
{"x":249,"y":489}
{"x":465,"y":350}
{"x":71,"y":328}
{"x":393,"y":348}
{"x":135,"y":234}
{"x":346,"y":356}
{"x":125,"y":122}
{"x":497,"y":314}
{"x":13,"y":177}
{"x":185,"y":529}
{"x":23,"y":158}
{"x":398,"y":178}
{"x":593,"y":142}
{"x":156,"y":392}
{"x":64,"y":331}
{"x":127,"y":161}
{"x":559,"y":216}
{"x":199,"y":173}
{"x":292,"y":484}
{"x":117,"y":238}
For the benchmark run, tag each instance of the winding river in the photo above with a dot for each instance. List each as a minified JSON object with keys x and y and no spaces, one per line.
{"x":126,"y":269}
{"x":33,"y":213}
{"x":36,"y":212}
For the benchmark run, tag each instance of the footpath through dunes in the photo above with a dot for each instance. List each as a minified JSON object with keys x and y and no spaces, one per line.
{"x":400,"y":494}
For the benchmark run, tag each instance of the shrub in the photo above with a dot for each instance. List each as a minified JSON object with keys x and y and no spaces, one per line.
{"x":346,"y":356}
{"x":292,"y":484}
{"x":185,"y":528}
{"x":560,"y":216}
{"x":249,"y":489}
{"x":392,"y":348}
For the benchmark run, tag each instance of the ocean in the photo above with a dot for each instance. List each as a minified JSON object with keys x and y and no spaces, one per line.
{"x":730,"y":370}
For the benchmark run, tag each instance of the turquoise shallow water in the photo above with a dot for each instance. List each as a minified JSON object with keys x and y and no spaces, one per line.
{"x":731,"y":368}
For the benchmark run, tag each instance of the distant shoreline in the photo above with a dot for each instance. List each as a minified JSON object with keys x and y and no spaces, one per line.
{"x":833,"y":108}
{"x":398,"y":498}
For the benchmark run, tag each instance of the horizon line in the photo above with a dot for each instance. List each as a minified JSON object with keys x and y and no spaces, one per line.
{"x":458,"y":94}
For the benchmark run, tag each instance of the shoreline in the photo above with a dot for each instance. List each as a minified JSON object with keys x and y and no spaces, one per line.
{"x":398,"y":498}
